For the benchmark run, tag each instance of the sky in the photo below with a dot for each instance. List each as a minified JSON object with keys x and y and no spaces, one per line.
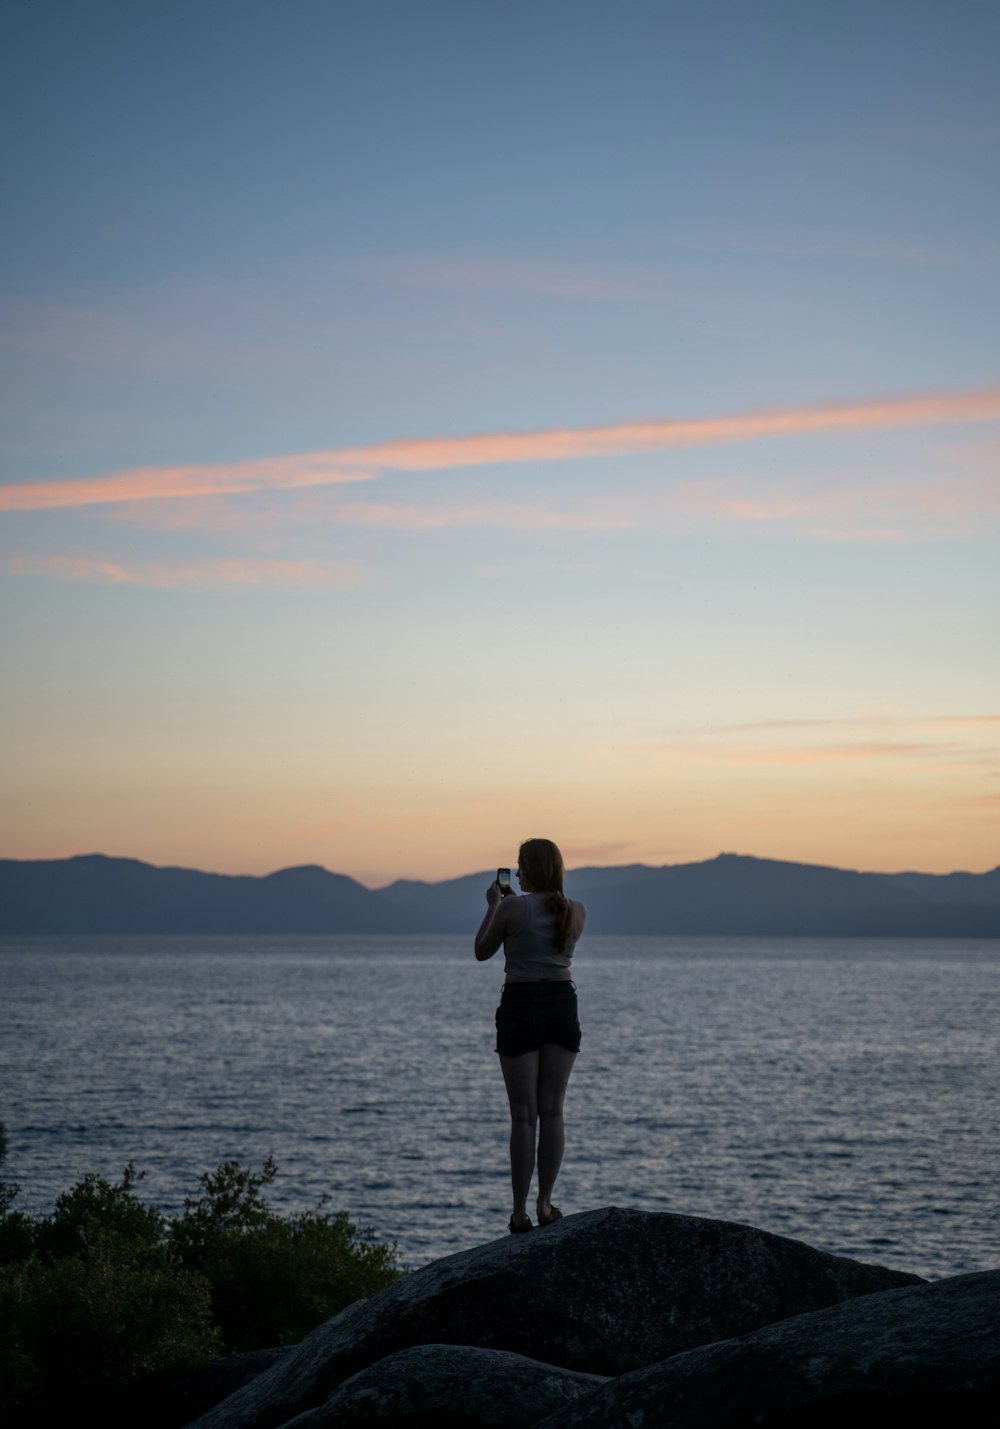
{"x":432,"y":425}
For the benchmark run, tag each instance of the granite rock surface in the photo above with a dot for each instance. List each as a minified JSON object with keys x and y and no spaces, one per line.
{"x":928,"y":1353}
{"x":430,"y":1386}
{"x":605,"y":1293}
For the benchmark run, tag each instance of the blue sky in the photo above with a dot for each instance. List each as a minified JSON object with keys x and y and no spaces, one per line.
{"x":248,"y":246}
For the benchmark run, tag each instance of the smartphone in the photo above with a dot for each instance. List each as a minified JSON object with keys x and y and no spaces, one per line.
{"x":503,"y":879}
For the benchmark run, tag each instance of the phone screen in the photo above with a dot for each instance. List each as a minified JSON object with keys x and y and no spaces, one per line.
{"x":503,"y":878}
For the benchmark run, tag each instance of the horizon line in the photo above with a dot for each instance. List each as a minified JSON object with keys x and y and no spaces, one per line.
{"x":476,"y":873}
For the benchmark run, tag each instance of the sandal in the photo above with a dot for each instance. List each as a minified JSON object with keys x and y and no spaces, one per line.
{"x":555,"y":1214}
{"x":517,"y":1227}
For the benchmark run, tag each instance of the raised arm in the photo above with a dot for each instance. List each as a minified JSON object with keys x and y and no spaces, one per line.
{"x":495,"y":926}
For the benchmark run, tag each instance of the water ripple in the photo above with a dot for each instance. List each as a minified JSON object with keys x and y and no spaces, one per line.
{"x":836,"y":1091}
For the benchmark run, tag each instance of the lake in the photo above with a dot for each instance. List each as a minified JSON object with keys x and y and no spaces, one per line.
{"x":844,"y":1092}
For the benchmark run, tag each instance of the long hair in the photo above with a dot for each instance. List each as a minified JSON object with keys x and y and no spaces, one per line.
{"x":542,"y":862}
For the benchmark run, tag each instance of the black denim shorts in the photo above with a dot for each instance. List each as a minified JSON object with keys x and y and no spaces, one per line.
{"x":531,"y":1013}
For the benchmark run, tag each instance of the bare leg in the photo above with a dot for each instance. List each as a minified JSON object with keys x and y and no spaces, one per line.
{"x":555,"y":1065}
{"x":520,"y":1076}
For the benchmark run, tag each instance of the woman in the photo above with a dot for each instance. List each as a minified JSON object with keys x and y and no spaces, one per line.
{"x":538,"y":1034}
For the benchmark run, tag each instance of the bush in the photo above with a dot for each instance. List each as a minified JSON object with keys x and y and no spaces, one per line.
{"x":98,"y":1207}
{"x":82,"y":1325}
{"x":91,"y":1299}
{"x":107,"y":1291}
{"x":273,"y":1279}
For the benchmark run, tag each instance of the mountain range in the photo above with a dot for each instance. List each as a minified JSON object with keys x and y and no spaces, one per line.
{"x":728,"y":895}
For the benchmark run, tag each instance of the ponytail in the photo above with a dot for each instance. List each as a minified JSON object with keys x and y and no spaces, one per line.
{"x":541,"y":860}
{"x":562,"y":910}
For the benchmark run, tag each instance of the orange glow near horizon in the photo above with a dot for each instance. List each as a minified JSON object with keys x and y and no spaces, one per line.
{"x":883,"y":803}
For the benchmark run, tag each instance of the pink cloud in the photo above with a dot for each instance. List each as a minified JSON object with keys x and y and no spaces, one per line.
{"x":855,"y":515}
{"x":479,"y":274}
{"x":971,"y":496}
{"x":158,"y":483}
{"x":356,"y":464}
{"x":438,"y":453}
{"x":843,"y":249}
{"x":880,"y":535}
{"x":877,"y":511}
{"x":940,"y":756}
{"x":942,"y":722}
{"x":953,"y":742}
{"x":519,"y":514}
{"x":107,"y":571}
{"x":841,"y":753}
{"x":207,"y":513}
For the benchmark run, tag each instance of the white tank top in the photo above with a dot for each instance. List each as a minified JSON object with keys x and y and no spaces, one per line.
{"x":530,"y":953}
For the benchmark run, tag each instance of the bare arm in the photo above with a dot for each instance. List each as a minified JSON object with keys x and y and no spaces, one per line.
{"x":495,"y":926}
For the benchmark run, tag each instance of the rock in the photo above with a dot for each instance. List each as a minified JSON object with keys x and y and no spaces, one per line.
{"x":930,"y":1351}
{"x":603,"y":1293}
{"x":433,"y":1385}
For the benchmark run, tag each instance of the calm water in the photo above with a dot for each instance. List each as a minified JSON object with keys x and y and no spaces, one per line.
{"x":842,"y":1092}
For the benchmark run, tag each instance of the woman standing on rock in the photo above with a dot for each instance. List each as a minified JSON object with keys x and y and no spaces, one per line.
{"x":538,"y":1032}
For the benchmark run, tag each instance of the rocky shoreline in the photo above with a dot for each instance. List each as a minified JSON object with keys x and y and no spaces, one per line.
{"x":617,"y":1317}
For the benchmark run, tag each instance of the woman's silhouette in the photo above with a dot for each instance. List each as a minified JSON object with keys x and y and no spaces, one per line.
{"x":538,"y":1031}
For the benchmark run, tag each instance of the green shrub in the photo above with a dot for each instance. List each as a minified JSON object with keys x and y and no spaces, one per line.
{"x":91,"y":1300}
{"x":274,"y":1279}
{"x":97,"y":1206}
{"x":93,"y":1322}
{"x":107,"y":1291}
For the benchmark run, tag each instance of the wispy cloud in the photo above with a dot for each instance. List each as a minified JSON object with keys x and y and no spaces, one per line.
{"x":938,"y":722}
{"x":880,"y":511}
{"x":876,"y":535}
{"x":485,"y":273}
{"x":841,"y":248}
{"x":932,"y":757}
{"x":933,"y":745}
{"x":877,"y":750}
{"x":221,"y":515}
{"x":418,"y":454}
{"x":240,"y":573}
{"x":165,"y":483}
{"x":560,"y":444}
{"x":595,"y":516}
{"x":215,"y":514}
{"x":876,"y":511}
{"x":966,"y":744}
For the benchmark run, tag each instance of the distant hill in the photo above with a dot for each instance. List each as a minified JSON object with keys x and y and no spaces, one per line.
{"x":95,"y":894}
{"x":730,"y":894}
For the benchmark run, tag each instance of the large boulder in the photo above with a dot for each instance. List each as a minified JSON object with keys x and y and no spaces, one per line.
{"x":930,"y":1353}
{"x":603,"y":1293}
{"x":432,"y":1386}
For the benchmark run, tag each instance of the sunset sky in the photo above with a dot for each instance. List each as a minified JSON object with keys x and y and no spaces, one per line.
{"x":429,"y":425}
